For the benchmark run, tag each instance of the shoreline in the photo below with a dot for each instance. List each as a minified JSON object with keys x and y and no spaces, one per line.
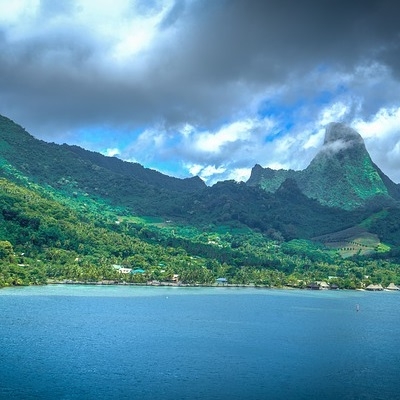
{"x":160,"y":284}
{"x":187,"y":285}
{"x":215,"y":285}
{"x":198,"y":285}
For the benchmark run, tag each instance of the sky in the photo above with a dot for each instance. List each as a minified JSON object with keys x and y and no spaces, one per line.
{"x":204,"y":87}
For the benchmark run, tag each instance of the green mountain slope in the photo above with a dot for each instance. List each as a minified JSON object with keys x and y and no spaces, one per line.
{"x":45,"y":236}
{"x":76,"y":171}
{"x":269,"y":179}
{"x":79,"y":174}
{"x":287,"y":213}
{"x":341,"y":175}
{"x":67,"y":213}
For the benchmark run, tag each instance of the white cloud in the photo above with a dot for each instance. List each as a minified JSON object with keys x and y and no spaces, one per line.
{"x":212,"y":174}
{"x":208,"y":173}
{"x":394,"y":154}
{"x":277,"y":165}
{"x":212,"y":142}
{"x":137,"y":35}
{"x":382,"y":139}
{"x":117,"y":26}
{"x":151,"y":138}
{"x":334,"y":112}
{"x":314,"y":140}
{"x":386,"y":122}
{"x":239,"y":174}
{"x":146,"y":147}
{"x":210,"y":170}
{"x":187,"y":130}
{"x":336,"y":146}
{"x":111,"y":152}
{"x":11,"y":12}
{"x":194,"y":169}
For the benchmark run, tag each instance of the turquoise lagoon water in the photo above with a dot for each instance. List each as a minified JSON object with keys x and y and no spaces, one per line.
{"x":91,"y":342}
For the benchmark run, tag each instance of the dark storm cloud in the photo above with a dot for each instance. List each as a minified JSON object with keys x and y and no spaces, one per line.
{"x":263,"y":40}
{"x":210,"y":62}
{"x":227,"y":46}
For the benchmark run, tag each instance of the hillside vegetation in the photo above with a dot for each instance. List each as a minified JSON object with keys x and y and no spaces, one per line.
{"x":69,"y":214}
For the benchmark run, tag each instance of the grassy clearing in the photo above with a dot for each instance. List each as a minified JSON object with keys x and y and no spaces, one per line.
{"x":353,"y":241}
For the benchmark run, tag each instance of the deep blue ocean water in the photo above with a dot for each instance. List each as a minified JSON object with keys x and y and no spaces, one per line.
{"x":100,"y":342}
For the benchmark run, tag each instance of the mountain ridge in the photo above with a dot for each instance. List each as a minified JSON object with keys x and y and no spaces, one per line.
{"x":341,"y":174}
{"x":68,"y":213}
{"x":266,"y":201}
{"x":75,"y":170}
{"x":140,"y":172}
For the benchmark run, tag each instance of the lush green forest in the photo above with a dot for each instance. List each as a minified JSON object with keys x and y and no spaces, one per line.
{"x":72,"y":215}
{"x":46,"y":237}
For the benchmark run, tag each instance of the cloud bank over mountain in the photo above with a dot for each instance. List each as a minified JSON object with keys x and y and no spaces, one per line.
{"x":204,"y":87}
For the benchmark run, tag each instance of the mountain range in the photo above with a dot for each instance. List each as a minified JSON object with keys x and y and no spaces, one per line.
{"x":341,"y":201}
{"x":341,"y":176}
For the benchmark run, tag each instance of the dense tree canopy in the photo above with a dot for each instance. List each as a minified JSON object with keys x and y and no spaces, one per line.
{"x":69,"y":214}
{"x":44,"y":236}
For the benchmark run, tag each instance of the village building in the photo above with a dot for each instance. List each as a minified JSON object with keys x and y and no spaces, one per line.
{"x":333,"y":286}
{"x":313,"y":286}
{"x":392,"y":286}
{"x":374,"y":288}
{"x":138,"y":271}
{"x":175,"y":278}
{"x":125,"y":270}
{"x":323,"y":285}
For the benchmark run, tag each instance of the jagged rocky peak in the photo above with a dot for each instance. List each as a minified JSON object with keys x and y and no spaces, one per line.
{"x":338,"y":135}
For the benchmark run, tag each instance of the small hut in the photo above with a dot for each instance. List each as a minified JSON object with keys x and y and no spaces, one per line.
{"x":392,"y":286}
{"x":313,"y":286}
{"x":222,"y":281}
{"x":374,"y":288}
{"x":323,"y":285}
{"x":334,"y":286}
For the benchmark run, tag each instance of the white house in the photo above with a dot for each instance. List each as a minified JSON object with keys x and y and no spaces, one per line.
{"x":125,"y":270}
